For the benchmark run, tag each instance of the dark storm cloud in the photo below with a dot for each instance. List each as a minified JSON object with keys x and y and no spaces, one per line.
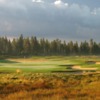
{"x":64,"y":19}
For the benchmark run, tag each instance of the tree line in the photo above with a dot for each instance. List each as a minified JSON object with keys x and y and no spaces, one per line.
{"x":32,"y":46}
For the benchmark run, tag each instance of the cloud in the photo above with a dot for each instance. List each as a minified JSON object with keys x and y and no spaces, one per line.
{"x":2,"y":1}
{"x":38,"y":1}
{"x":7,"y":26}
{"x":60,"y":4}
{"x":28,"y":17}
{"x":94,"y":12}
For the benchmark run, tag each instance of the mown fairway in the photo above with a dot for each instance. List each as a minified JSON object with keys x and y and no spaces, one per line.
{"x":51,"y":64}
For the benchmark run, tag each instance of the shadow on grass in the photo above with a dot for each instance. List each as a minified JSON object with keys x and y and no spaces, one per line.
{"x":68,"y":66}
{"x":90,"y":62}
{"x":7,"y":61}
{"x":69,"y":71}
{"x":5,"y":72}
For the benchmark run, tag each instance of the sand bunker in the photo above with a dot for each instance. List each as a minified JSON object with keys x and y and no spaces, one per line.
{"x":97,"y":62}
{"x":79,"y":68}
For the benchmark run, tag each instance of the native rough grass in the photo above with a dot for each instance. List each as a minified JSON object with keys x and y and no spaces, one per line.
{"x":49,"y":86}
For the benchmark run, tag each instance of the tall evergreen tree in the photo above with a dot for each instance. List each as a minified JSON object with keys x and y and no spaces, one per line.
{"x":84,"y":48}
{"x":76,"y":48}
{"x":35,"y":46}
{"x":31,"y":46}
{"x":14,"y":47}
{"x":27,"y":46}
{"x":71,"y":47}
{"x":91,"y":46}
{"x":20,"y":45}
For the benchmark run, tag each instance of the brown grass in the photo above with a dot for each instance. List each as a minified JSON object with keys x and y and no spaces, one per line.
{"x":40,"y":86}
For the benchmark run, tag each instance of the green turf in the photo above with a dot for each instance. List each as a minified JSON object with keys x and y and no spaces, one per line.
{"x":49,"y":63}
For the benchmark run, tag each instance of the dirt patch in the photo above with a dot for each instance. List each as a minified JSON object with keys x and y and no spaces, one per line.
{"x":79,"y":68}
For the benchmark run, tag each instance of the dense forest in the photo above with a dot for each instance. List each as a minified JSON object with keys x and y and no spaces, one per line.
{"x":32,"y":46}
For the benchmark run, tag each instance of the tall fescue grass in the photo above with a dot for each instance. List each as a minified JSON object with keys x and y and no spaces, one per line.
{"x":49,"y":86}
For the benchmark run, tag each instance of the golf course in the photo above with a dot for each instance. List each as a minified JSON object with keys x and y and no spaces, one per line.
{"x":50,"y":78}
{"x":51,"y":64}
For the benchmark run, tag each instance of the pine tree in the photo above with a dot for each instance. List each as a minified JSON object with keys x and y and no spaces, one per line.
{"x":20,"y":45}
{"x":27,"y":46}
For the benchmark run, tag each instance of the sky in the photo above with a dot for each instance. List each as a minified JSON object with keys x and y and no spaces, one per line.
{"x":75,"y":20}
